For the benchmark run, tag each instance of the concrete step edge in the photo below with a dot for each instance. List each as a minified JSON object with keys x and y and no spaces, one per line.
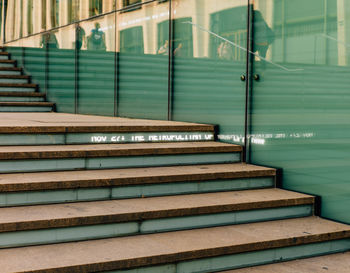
{"x":170,"y":247}
{"x":128,"y":177}
{"x":135,"y":210}
{"x":111,"y":150}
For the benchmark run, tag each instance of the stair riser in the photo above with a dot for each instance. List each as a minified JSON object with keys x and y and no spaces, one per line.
{"x":9,"y":80}
{"x":79,"y":233}
{"x":247,"y":259}
{"x":7,"y":65}
{"x":8,"y":72}
{"x":17,"y":89}
{"x":20,"y":99}
{"x":9,"y":166}
{"x":25,"y":109}
{"x":101,"y":138}
{"x":152,"y":190}
{"x":4,"y":57}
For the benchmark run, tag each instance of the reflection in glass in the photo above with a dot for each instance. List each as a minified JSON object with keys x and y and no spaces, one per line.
{"x":96,"y":65}
{"x":142,"y":60}
{"x":97,"y":39}
{"x":95,"y":7}
{"x":300,"y":106}
{"x":73,"y":10}
{"x":61,"y":68}
{"x":209,"y":58}
{"x":54,"y":13}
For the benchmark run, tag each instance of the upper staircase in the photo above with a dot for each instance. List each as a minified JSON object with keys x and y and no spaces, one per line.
{"x":101,"y":194}
{"x":17,"y":93}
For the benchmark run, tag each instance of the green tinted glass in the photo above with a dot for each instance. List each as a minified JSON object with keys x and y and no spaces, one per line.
{"x":61,"y":67}
{"x":209,"y":59}
{"x":300,"y":105}
{"x":96,"y":70}
{"x":142,"y":61}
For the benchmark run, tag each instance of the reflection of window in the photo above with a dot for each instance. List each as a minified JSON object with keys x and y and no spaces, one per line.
{"x":73,"y":10}
{"x":54,"y":13}
{"x":183,"y":37}
{"x":131,"y":2}
{"x":95,"y":7}
{"x":30,"y":17}
{"x":131,"y":40}
{"x":43,"y":14}
{"x":230,"y":24}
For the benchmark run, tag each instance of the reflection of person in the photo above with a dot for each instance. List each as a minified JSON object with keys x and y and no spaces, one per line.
{"x":225,"y":51}
{"x":178,"y":50}
{"x":96,"y":40}
{"x":263,"y":34}
{"x":80,"y":37}
{"x":49,"y":40}
{"x":164,"y":49}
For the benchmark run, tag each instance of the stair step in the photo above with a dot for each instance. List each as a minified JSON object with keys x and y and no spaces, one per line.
{"x":335,"y":263}
{"x":4,"y":55}
{"x":110,"y":156}
{"x":208,"y":250}
{"x":31,"y":225}
{"x":7,"y":63}
{"x":62,"y":123}
{"x":14,"y":79}
{"x":89,"y":185}
{"x":18,"y":87}
{"x":22,"y":97}
{"x":58,"y":128}
{"x":19,"y":106}
{"x":10,"y":71}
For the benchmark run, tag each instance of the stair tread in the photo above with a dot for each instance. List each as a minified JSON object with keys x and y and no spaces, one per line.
{"x":69,"y":123}
{"x":142,"y":250}
{"x":10,"y":69}
{"x":112,"y":211}
{"x":20,"y":103}
{"x":130,"y":176}
{"x":334,"y":263}
{"x":102,"y":150}
{"x":14,"y":76}
{"x":7,"y":61}
{"x":27,"y":85}
{"x":21,"y":94}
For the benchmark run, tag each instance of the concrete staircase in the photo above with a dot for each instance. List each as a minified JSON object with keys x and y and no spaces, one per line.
{"x":124,"y":195}
{"x":17,"y":93}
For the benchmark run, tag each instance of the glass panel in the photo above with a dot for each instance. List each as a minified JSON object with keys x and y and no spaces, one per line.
{"x":61,"y":68}
{"x":96,"y":46}
{"x":34,"y":60}
{"x":209,"y":59}
{"x":142,"y":64}
{"x":300,"y":105}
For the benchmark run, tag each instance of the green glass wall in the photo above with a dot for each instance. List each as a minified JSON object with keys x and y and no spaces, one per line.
{"x":300,"y":106}
{"x":95,"y":43}
{"x":187,"y":60}
{"x":61,"y":68}
{"x":143,"y":60}
{"x":208,"y":64}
